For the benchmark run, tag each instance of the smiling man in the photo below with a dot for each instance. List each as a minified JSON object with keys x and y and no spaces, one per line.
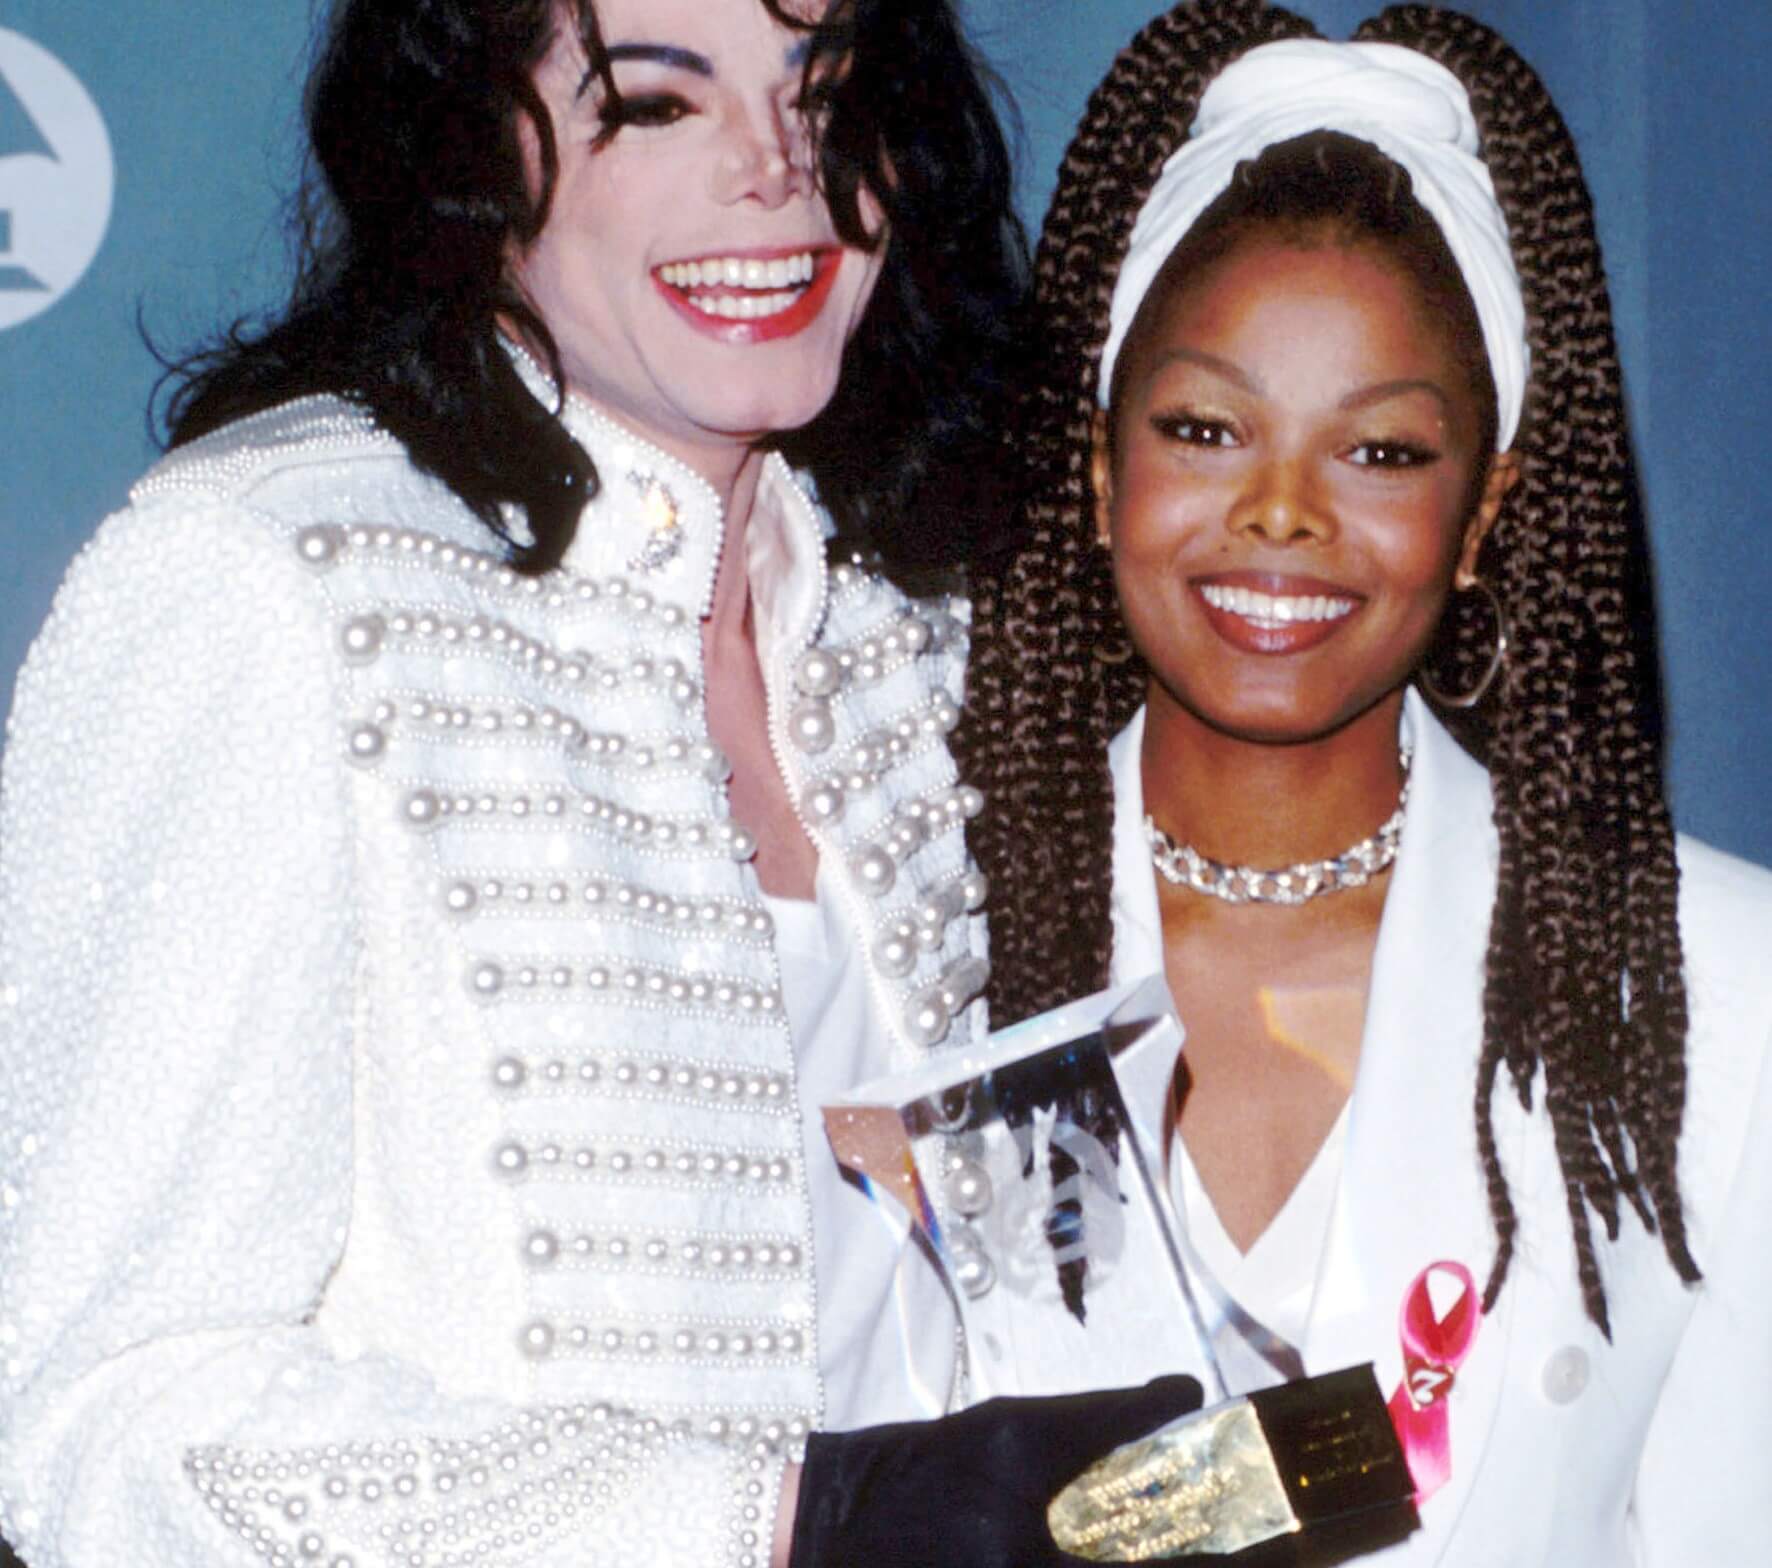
{"x":428,"y":978}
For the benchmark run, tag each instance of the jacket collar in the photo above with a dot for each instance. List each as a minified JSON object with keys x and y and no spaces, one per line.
{"x":1412,"y":1188}
{"x":1411,"y":1191}
{"x":656,"y":523}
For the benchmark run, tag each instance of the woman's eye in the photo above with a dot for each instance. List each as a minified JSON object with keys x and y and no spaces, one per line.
{"x":1192,"y":430}
{"x":645,"y":110}
{"x":1391,"y":454}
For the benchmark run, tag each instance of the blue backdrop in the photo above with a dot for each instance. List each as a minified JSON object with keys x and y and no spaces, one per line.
{"x":178,"y":192}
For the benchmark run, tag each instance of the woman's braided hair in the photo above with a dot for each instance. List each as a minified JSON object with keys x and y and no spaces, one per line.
{"x":1584,"y":984}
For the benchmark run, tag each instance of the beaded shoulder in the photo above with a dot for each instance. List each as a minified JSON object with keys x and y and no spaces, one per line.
{"x":228,"y":462}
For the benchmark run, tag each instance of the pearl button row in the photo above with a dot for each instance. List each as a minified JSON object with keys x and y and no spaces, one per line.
{"x":697,"y":1255}
{"x":931,"y":1011}
{"x":687,"y":1082}
{"x":691,"y":918}
{"x":922,"y":930}
{"x":426,"y":808}
{"x":825,"y":798}
{"x":875,"y":866}
{"x":674,"y":1166}
{"x":673,"y":756}
{"x":490,"y":979}
{"x":852,"y":578}
{"x":759,"y":1432}
{"x":364,"y":636}
{"x":812,"y":727}
{"x":859,"y":577}
{"x":767,"y":1429}
{"x":821,"y":672}
{"x":715,"y":1341}
{"x":323,"y":545}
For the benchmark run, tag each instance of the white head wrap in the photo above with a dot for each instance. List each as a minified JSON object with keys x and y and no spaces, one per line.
{"x":1410,"y":108}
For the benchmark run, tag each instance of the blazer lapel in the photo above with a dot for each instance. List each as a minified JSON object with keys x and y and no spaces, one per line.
{"x":1412,"y":1191}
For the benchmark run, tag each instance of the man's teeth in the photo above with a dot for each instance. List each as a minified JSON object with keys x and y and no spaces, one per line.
{"x":740,"y":272}
{"x":1275,"y":609}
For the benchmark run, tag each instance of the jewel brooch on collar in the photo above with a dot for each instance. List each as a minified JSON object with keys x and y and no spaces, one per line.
{"x":664,"y":523}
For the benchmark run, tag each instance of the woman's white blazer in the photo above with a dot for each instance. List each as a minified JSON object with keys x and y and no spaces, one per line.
{"x":1567,"y":1449}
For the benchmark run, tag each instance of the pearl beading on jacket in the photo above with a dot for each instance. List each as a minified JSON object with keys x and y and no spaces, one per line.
{"x":537,"y":811}
{"x":441,"y":1504}
{"x":671,"y":1163}
{"x":737,"y":920}
{"x":691,"y":1255}
{"x":680,"y":1082}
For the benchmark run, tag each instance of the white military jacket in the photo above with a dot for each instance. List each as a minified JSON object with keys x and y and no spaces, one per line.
{"x":400,"y":1151}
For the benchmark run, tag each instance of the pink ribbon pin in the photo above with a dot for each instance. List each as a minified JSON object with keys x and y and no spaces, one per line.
{"x":1434,"y":1348}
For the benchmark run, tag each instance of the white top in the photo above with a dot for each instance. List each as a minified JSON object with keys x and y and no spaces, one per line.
{"x":885,"y":1329}
{"x":1274,"y":1283}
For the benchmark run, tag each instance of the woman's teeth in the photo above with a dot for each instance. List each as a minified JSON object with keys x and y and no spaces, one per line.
{"x":772,"y":285}
{"x":1267,"y":609}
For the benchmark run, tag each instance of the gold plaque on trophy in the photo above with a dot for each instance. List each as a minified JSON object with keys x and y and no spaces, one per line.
{"x":1316,"y":1461}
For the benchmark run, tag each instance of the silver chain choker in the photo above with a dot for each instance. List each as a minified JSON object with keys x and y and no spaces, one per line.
{"x":1355,"y":866}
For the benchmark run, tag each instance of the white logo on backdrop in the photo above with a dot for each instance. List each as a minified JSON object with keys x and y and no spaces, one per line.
{"x":56,"y":179}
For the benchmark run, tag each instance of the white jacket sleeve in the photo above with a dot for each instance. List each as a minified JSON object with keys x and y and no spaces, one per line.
{"x":1700,"y":1489}
{"x":176,"y":1008}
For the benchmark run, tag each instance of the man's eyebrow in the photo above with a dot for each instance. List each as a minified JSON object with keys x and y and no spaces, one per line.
{"x":671,"y":55}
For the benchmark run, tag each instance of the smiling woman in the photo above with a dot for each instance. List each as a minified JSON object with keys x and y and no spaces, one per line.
{"x":1322,"y":684}
{"x":505,"y":772}
{"x":1289,"y":469}
{"x":1308,"y":368}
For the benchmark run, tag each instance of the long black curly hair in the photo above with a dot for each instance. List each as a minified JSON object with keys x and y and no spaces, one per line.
{"x":1584,"y":995}
{"x":416,"y":191}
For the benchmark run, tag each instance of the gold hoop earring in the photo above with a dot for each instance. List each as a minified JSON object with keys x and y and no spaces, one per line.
{"x":1497,"y":659}
{"x":1118,"y":652}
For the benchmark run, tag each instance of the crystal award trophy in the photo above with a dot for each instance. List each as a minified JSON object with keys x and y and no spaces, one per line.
{"x":1032,"y":1173}
{"x":1027,"y":1183}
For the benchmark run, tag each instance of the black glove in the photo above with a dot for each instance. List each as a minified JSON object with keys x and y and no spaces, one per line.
{"x":969,"y":1490}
